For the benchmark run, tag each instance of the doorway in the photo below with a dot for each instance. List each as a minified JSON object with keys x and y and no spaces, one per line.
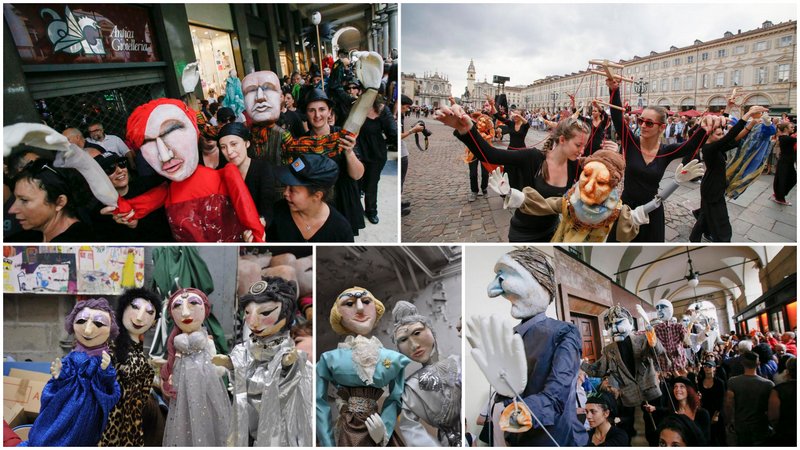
{"x":590,"y":335}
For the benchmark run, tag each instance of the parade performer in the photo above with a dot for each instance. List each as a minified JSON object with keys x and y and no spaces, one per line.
{"x":598,"y":123}
{"x":750,"y":158}
{"x":485,"y":127}
{"x":630,"y":360}
{"x":272,"y":394}
{"x":433,"y":393}
{"x":672,"y":336}
{"x":360,"y":368}
{"x":75,"y":403}
{"x":199,"y":409}
{"x":137,"y":311}
{"x":534,"y":365}
{"x":646,"y":159}
{"x":592,"y":208}
{"x":785,"y":172}
{"x":551,"y":171}
{"x":712,"y":217}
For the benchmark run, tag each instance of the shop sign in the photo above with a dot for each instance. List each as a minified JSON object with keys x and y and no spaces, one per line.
{"x":760,"y":307}
{"x":81,"y":33}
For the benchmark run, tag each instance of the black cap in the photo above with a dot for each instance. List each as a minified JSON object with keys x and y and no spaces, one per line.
{"x":710,"y":363}
{"x":686,"y":382}
{"x":604,"y":398}
{"x":406,"y":100}
{"x":235,"y":129}
{"x":225,"y":115}
{"x":107,"y":160}
{"x":317,"y":95}
{"x":309,"y":169}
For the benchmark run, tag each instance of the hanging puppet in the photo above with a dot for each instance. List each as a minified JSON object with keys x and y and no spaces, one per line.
{"x":534,"y":365}
{"x":672,"y":336}
{"x":750,"y":157}
{"x":271,"y":378}
{"x":77,"y":400}
{"x":199,"y":409}
{"x":432,"y":393}
{"x":234,"y":97}
{"x":630,"y":360}
{"x":137,"y":312}
{"x":360,"y":368}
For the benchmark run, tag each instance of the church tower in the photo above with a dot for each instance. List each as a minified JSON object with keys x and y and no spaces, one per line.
{"x":471,"y":78}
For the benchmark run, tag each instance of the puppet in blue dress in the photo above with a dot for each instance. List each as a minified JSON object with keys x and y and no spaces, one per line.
{"x":359,"y":369}
{"x":77,"y":400}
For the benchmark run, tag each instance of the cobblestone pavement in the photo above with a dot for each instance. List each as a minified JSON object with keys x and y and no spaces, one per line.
{"x":437,"y":185}
{"x":386,"y":229}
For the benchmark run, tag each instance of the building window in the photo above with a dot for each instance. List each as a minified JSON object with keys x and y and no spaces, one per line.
{"x":688,"y":82}
{"x":736,"y":79}
{"x":761,"y":75}
{"x":783,"y":73}
{"x":664,"y":64}
{"x":664,"y":85}
{"x":676,"y":84}
{"x":739,"y":49}
{"x":704,"y":81}
{"x":676,"y":62}
{"x":704,"y":56}
{"x":719,"y":79}
{"x":689,"y":59}
{"x":760,"y":46}
{"x":637,"y":69}
{"x":655,"y":86}
{"x":721,"y":53}
{"x":785,"y":41}
{"x":654,"y":66}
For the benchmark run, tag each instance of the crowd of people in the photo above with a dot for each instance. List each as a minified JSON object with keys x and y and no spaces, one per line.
{"x":299,"y":173}
{"x":734,"y":145}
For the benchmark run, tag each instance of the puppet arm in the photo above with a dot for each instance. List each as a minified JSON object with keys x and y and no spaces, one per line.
{"x":369,"y":69}
{"x":144,"y":204}
{"x":391,"y":406}
{"x":242,"y":201}
{"x":409,"y":425}
{"x":324,"y":426}
{"x":683,"y":174}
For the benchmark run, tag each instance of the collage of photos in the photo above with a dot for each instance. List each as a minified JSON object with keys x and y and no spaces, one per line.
{"x":407,"y":224}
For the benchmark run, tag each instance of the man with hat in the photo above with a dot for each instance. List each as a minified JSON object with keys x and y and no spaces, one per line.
{"x":337,"y":83}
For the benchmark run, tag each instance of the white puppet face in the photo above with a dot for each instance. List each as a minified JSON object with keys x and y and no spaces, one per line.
{"x":358,"y":312}
{"x":139,"y":316}
{"x":263,"y":319}
{"x":528,"y":298}
{"x":188,"y":312}
{"x":92,"y":327}
{"x":416,"y":341}
{"x":686,"y":320}
{"x":664,"y":310}
{"x":621,"y":328}
{"x":170,"y":143}
{"x":262,"y":96}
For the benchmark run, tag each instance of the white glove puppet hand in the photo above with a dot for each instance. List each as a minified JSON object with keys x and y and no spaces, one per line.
{"x":499,"y":353}
{"x":689,"y":172}
{"x":369,"y":69}
{"x":640,"y":216}
{"x":35,"y":135}
{"x":377,"y":429}
{"x":498,"y":182}
{"x":514,"y":199}
{"x":96,"y":178}
{"x":105,"y":360}
{"x":190,"y":77}
{"x":55,"y":368}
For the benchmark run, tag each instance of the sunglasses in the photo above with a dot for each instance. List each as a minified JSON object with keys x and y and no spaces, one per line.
{"x":122,"y":164}
{"x":648,"y":123}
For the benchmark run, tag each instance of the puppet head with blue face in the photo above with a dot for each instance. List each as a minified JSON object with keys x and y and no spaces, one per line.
{"x":526,"y":279}
{"x":620,"y":322}
{"x":664,"y":310}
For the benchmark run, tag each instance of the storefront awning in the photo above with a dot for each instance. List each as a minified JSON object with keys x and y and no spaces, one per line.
{"x":784,"y":292}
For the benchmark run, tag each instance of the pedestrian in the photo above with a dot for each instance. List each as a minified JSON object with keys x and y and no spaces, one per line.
{"x":405,"y":105}
{"x":712,"y":395}
{"x":678,"y":430}
{"x":598,"y":123}
{"x":109,"y":142}
{"x":782,"y":409}
{"x":785,"y":173}
{"x":746,"y":404}
{"x":788,"y":339}
{"x":379,"y":126}
{"x":768,"y":366}
{"x":210,"y":156}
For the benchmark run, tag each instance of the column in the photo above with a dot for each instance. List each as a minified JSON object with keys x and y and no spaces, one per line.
{"x":385,"y":29}
{"x":392,"y":11}
{"x":16,"y":88}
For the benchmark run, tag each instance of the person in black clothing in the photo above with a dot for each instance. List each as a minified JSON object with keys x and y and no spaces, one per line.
{"x":782,"y":409}
{"x":258,"y":174}
{"x":207,"y":147}
{"x":551,"y":171}
{"x":712,"y":395}
{"x":517,"y":128}
{"x":601,"y":411}
{"x":290,"y":119}
{"x":303,"y":215}
{"x":372,"y":145}
{"x":337,"y":84}
{"x":646,"y":160}
{"x":712,"y":217}
{"x":47,"y":202}
{"x":785,"y":173}
{"x":598,"y":123}
{"x":687,"y":403}
{"x":678,"y":430}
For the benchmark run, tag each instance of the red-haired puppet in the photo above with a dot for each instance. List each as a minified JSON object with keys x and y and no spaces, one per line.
{"x":202,"y":204}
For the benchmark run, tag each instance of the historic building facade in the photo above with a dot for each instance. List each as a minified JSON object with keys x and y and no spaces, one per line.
{"x":431,"y":89}
{"x":478,"y":91}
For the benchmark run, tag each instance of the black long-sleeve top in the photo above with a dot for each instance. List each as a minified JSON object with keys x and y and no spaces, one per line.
{"x":712,"y":188}
{"x":516,"y":137}
{"x":371,"y":141}
{"x":595,"y":141}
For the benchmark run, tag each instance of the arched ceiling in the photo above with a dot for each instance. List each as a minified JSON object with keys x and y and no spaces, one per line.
{"x":656,"y":272}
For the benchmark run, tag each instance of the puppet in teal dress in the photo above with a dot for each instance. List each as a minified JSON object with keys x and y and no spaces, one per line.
{"x":750,"y":158}
{"x":77,"y":400}
{"x":359,"y":368}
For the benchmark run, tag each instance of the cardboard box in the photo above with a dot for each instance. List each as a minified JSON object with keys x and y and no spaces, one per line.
{"x":13,"y":414}
{"x":23,"y":391}
{"x":30,"y":375}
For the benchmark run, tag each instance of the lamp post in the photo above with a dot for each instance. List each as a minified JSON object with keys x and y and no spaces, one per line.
{"x":554,"y":97}
{"x":316,"y":19}
{"x":640,"y":87}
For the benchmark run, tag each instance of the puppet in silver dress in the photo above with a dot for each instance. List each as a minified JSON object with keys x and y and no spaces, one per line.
{"x":433,"y":393}
{"x":271,"y":378}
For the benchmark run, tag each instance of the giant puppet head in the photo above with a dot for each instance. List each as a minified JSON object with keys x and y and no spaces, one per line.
{"x":165,"y":131}
{"x":93,"y":323}
{"x":526,"y":279}
{"x":269,"y":306}
{"x":620,"y":322}
{"x":262,"y":96}
{"x":602,"y":172}
{"x":664,"y":310}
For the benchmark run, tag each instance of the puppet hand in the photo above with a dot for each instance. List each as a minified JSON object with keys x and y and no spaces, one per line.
{"x":35,"y":135}
{"x":289,"y":358}
{"x":499,"y":353}
{"x":454,"y":117}
{"x":190,"y":77}
{"x":689,"y":172}
{"x":105,"y":360}
{"x":122,"y":219}
{"x":369,"y":69}
{"x":55,"y":368}
{"x":347,"y":142}
{"x":377,"y":429}
{"x":247,"y":235}
{"x":90,"y":170}
{"x":514,"y":199}
{"x":755,"y":112}
{"x":498,"y":182}
{"x":640,"y":216}
{"x":222,"y":361}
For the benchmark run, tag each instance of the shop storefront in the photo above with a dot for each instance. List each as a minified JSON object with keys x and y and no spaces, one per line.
{"x":87,"y":62}
{"x":774,"y":311}
{"x":214,"y":41}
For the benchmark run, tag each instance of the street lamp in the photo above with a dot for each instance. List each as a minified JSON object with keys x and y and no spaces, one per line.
{"x":316,"y":19}
{"x":554,"y":97}
{"x":640,"y":87}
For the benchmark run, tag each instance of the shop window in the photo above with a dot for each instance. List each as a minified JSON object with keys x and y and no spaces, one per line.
{"x":213,"y":49}
{"x":776,"y":321}
{"x":763,"y":322}
{"x":111,"y":107}
{"x":791,"y":316}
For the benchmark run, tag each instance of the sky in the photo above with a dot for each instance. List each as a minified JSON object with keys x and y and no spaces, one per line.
{"x":528,"y":42}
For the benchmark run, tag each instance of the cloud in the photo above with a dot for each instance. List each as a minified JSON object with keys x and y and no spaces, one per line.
{"x":529,"y":42}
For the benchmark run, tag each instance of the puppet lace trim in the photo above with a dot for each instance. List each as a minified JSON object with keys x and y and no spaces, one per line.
{"x":365,"y":355}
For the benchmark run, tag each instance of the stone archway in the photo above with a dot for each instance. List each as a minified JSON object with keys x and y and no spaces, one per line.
{"x":348,"y":38}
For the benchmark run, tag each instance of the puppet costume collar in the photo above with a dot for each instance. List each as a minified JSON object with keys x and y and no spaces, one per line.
{"x":365,"y":355}
{"x":593,"y":216}
{"x":265,"y":348}
{"x":92,"y":351}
